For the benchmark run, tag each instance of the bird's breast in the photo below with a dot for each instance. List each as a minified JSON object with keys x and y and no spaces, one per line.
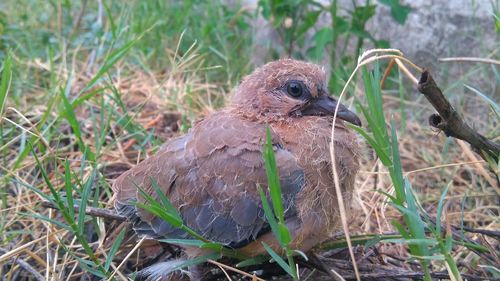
{"x":309,"y":140}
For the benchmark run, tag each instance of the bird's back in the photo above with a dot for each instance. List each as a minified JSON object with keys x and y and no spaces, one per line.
{"x":211,"y":176}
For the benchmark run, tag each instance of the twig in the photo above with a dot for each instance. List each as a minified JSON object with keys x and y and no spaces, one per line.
{"x":469,"y":59}
{"x":26,"y":266}
{"x":315,"y":260}
{"x":414,"y":276}
{"x":491,"y":233}
{"x":92,"y":211}
{"x":223,"y":266}
{"x":451,"y":123}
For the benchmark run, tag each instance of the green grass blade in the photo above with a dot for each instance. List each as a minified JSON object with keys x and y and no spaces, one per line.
{"x":397,"y":171}
{"x":87,"y":188}
{"x":271,"y":219}
{"x":414,"y":241}
{"x":70,"y":116}
{"x":5,"y":83}
{"x":252,"y":261}
{"x":281,"y":262}
{"x":164,"y":200}
{"x":110,"y":60}
{"x":49,"y":220}
{"x":490,"y":101}
{"x":69,"y":188}
{"x":384,"y":158}
{"x":440,"y":209}
{"x":114,"y":249}
{"x":273,"y":177}
{"x":194,"y":243}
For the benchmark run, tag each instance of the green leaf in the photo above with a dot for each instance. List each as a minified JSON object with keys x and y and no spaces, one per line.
{"x":110,"y":60}
{"x":252,"y":261}
{"x":70,"y":116}
{"x":87,"y":188}
{"x":69,"y":188}
{"x":114,"y":248}
{"x":271,"y":219}
{"x":284,"y":233}
{"x":421,"y":242}
{"x":5,"y":82}
{"x":360,"y":16}
{"x":194,"y":243}
{"x":491,"y":102}
{"x":273,"y":177}
{"x":321,"y":39}
{"x":440,"y":208}
{"x":47,"y":219}
{"x":398,"y":12}
{"x":400,"y":229}
{"x":397,"y":171}
{"x":278,"y":259}
{"x":309,"y":21}
{"x":160,"y":212}
{"x":384,"y":158}
{"x":372,"y":242}
{"x":164,"y":200}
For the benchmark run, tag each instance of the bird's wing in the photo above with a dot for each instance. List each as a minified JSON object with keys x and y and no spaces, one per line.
{"x":211,"y":176}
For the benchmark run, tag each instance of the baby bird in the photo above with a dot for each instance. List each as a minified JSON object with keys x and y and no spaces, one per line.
{"x":212,"y":173}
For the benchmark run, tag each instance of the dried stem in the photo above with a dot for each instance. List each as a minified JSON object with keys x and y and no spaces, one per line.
{"x":451,"y":123}
{"x":96,"y":212}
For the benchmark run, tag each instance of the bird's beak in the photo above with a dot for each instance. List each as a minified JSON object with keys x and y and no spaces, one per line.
{"x":325,"y":105}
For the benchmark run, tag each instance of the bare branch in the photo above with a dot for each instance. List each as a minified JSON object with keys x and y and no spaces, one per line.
{"x":96,"y":212}
{"x":451,"y":123}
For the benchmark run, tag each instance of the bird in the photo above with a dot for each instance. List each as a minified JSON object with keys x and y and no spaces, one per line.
{"x":212,"y":174}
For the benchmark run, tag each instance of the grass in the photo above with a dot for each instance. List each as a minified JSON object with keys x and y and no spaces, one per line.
{"x":84,"y":98}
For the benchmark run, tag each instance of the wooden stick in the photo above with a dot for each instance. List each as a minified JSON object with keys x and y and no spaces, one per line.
{"x":96,"y":212}
{"x":451,"y":123}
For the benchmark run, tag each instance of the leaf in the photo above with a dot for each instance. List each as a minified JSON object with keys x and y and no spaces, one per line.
{"x":271,"y":219}
{"x":421,"y":242}
{"x":397,"y":171}
{"x":372,"y":242}
{"x":160,"y":212}
{"x":5,"y":82}
{"x":265,"y":5}
{"x":278,"y":259}
{"x":114,"y":248}
{"x":69,"y":114}
{"x":273,"y":177}
{"x":69,"y":188}
{"x":47,"y":219}
{"x":309,"y":21}
{"x":440,"y":208}
{"x":164,"y":200}
{"x":284,"y":233}
{"x":380,"y":152}
{"x":398,"y":12}
{"x":110,"y":60}
{"x":87,"y":188}
{"x":491,"y":102}
{"x":321,"y":38}
{"x":194,"y":243}
{"x":252,"y":261}
{"x":360,"y":16}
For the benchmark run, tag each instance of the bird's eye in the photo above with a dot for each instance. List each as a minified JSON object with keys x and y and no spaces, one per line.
{"x":295,"y":89}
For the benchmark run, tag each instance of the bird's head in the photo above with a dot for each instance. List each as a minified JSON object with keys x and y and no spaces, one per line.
{"x":289,"y":88}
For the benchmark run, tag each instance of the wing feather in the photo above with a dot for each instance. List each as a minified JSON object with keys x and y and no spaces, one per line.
{"x":211,"y":176}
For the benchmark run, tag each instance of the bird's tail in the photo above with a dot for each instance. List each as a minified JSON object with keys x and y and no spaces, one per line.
{"x":166,"y":271}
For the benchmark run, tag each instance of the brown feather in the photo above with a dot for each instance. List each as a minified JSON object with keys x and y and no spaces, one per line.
{"x":211,"y":174}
